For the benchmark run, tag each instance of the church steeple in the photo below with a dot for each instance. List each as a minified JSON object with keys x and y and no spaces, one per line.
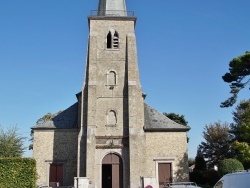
{"x":112,"y":8}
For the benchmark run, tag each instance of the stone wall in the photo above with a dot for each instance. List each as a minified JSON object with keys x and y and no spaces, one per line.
{"x":55,"y":146}
{"x":102,"y":97}
{"x":169,"y":147}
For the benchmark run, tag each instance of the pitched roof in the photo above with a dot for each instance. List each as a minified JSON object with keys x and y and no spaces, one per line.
{"x":157,"y":122}
{"x":67,"y":119}
{"x":154,"y":121}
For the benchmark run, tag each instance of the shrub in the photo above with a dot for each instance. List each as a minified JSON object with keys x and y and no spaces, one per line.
{"x":17,"y":172}
{"x":229,"y":165}
{"x":211,"y":177}
{"x":200,"y":163}
{"x":207,"y":177}
{"x":197,"y":176}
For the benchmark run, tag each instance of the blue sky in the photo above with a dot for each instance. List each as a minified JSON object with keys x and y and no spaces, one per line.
{"x":184,"y":48}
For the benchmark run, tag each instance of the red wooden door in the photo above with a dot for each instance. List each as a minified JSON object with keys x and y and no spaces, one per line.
{"x":164,"y":174}
{"x":56,"y":175}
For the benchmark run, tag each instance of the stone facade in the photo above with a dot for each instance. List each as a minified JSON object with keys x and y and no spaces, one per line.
{"x":55,"y":146}
{"x":111,"y":136}
{"x":169,"y":147}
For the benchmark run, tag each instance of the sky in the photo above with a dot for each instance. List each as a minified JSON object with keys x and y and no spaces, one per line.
{"x":184,"y":48}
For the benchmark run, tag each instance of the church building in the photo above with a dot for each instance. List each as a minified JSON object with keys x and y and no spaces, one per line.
{"x":110,"y":138}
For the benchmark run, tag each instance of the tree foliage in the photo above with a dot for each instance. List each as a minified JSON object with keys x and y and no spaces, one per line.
{"x":243,"y":152}
{"x":177,"y":118}
{"x":241,"y":126}
{"x":45,"y":118}
{"x":199,"y":170}
{"x":239,"y":71}
{"x":216,"y":146}
{"x":200,"y":163}
{"x":201,"y":174}
{"x":191,"y":161}
{"x":11,"y":143}
{"x":229,"y":165}
{"x":240,"y":129}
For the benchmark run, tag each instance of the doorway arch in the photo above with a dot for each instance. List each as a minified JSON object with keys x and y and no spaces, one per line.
{"x":112,"y":171}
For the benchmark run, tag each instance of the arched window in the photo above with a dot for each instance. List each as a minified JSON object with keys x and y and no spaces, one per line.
{"x":113,"y":40}
{"x":112,"y":78}
{"x":111,"y":118}
{"x":109,"y":40}
{"x":116,"y":40}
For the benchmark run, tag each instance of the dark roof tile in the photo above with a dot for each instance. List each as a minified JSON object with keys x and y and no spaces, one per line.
{"x":65,"y":120}
{"x":157,"y":122}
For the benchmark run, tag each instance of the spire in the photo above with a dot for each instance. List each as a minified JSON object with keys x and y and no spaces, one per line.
{"x":112,"y":8}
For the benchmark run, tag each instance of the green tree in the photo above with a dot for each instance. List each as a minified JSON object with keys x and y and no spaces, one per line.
{"x":241,"y":126}
{"x":176,"y":118}
{"x":199,"y":170}
{"x":243,"y":152}
{"x":11,"y":143}
{"x":46,"y":117}
{"x":217,"y":144}
{"x":200,"y":163}
{"x":238,"y":77}
{"x":240,"y":129}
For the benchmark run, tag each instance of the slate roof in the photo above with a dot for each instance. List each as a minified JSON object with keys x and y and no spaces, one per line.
{"x":67,"y":119}
{"x":154,"y":121}
{"x":157,"y":122}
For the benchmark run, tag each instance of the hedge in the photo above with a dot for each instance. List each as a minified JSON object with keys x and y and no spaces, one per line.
{"x":17,"y":172}
{"x":229,"y":165}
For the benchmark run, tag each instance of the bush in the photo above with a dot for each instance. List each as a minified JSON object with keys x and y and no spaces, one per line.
{"x":197,"y":176}
{"x":17,"y":172}
{"x":229,"y":165}
{"x":211,"y":177}
{"x":206,"y":177}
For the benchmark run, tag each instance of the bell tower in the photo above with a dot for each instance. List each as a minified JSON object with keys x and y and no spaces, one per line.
{"x":111,"y":139}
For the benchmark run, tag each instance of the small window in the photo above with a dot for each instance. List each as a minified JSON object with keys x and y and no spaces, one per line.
{"x":113,"y":40}
{"x":112,"y":78}
{"x":111,"y":118}
{"x":116,"y":40}
{"x":109,"y":40}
